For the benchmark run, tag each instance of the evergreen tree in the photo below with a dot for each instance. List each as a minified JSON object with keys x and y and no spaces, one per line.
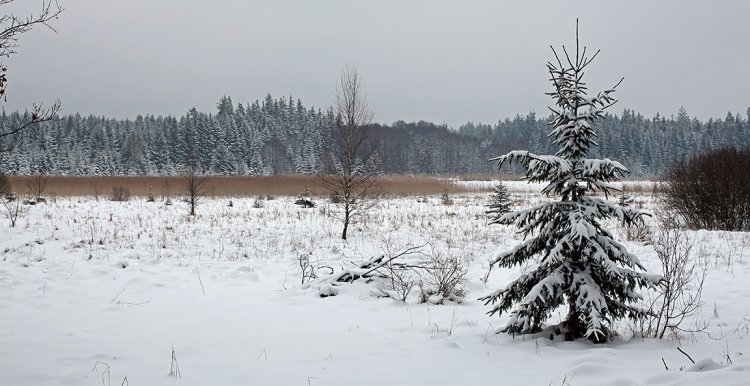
{"x":499,"y":203}
{"x":580,"y":264}
{"x":134,"y":154}
{"x":278,"y":136}
{"x":159,"y":151}
{"x":223,"y":163}
{"x":255,"y":165}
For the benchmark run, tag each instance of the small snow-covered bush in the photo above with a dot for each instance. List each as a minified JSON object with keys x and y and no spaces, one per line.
{"x":443,"y":277}
{"x":399,"y":283}
{"x":304,"y":200}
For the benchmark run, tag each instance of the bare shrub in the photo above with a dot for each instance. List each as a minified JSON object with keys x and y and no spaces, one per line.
{"x":677,"y":299}
{"x":306,"y":268}
{"x":442,"y":279}
{"x":309,"y":269}
{"x":400,"y":275}
{"x":119,"y":194}
{"x":13,"y":210}
{"x":641,"y":234}
{"x":712,"y":190}
{"x":446,"y":199}
{"x":399,"y":282}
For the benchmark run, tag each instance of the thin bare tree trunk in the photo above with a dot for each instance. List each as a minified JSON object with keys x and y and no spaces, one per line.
{"x":350,"y":164}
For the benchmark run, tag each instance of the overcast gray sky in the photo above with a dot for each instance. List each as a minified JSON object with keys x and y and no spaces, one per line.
{"x":440,"y":61}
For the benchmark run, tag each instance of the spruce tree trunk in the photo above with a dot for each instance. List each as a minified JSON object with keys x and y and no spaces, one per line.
{"x":573,"y":326}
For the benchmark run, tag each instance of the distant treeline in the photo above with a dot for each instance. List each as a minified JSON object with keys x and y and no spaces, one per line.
{"x":279,"y":136}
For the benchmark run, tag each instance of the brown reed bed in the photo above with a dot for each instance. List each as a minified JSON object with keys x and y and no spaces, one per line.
{"x":253,"y":186}
{"x":220,"y":186}
{"x":489,"y":177}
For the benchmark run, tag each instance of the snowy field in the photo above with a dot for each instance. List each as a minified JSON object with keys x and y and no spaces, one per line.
{"x":105,"y":293}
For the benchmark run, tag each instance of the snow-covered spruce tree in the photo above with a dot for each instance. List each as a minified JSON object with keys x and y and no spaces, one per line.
{"x":499,"y":202}
{"x":579,"y":264}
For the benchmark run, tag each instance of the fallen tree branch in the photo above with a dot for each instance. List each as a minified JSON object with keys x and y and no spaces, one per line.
{"x":366,"y":270}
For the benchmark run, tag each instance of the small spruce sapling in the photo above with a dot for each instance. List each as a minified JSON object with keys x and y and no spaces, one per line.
{"x":499,"y":202}
{"x":578,"y":262}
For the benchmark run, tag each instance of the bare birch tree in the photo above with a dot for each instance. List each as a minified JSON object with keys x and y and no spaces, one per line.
{"x":196,"y":184}
{"x":351,"y":165}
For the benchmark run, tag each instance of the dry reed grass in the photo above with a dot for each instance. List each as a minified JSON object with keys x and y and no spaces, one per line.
{"x":281,"y":185}
{"x":244,"y":186}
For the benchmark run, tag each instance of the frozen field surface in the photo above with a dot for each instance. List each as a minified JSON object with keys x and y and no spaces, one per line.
{"x":97,"y":292}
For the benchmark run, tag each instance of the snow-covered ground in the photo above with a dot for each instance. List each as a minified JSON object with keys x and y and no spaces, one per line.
{"x":96,"y":292}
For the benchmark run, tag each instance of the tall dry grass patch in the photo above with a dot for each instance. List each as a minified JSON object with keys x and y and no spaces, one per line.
{"x":281,"y":185}
{"x":220,"y":186}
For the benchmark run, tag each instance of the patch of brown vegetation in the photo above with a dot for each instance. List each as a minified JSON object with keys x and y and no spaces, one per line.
{"x":235,"y":186}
